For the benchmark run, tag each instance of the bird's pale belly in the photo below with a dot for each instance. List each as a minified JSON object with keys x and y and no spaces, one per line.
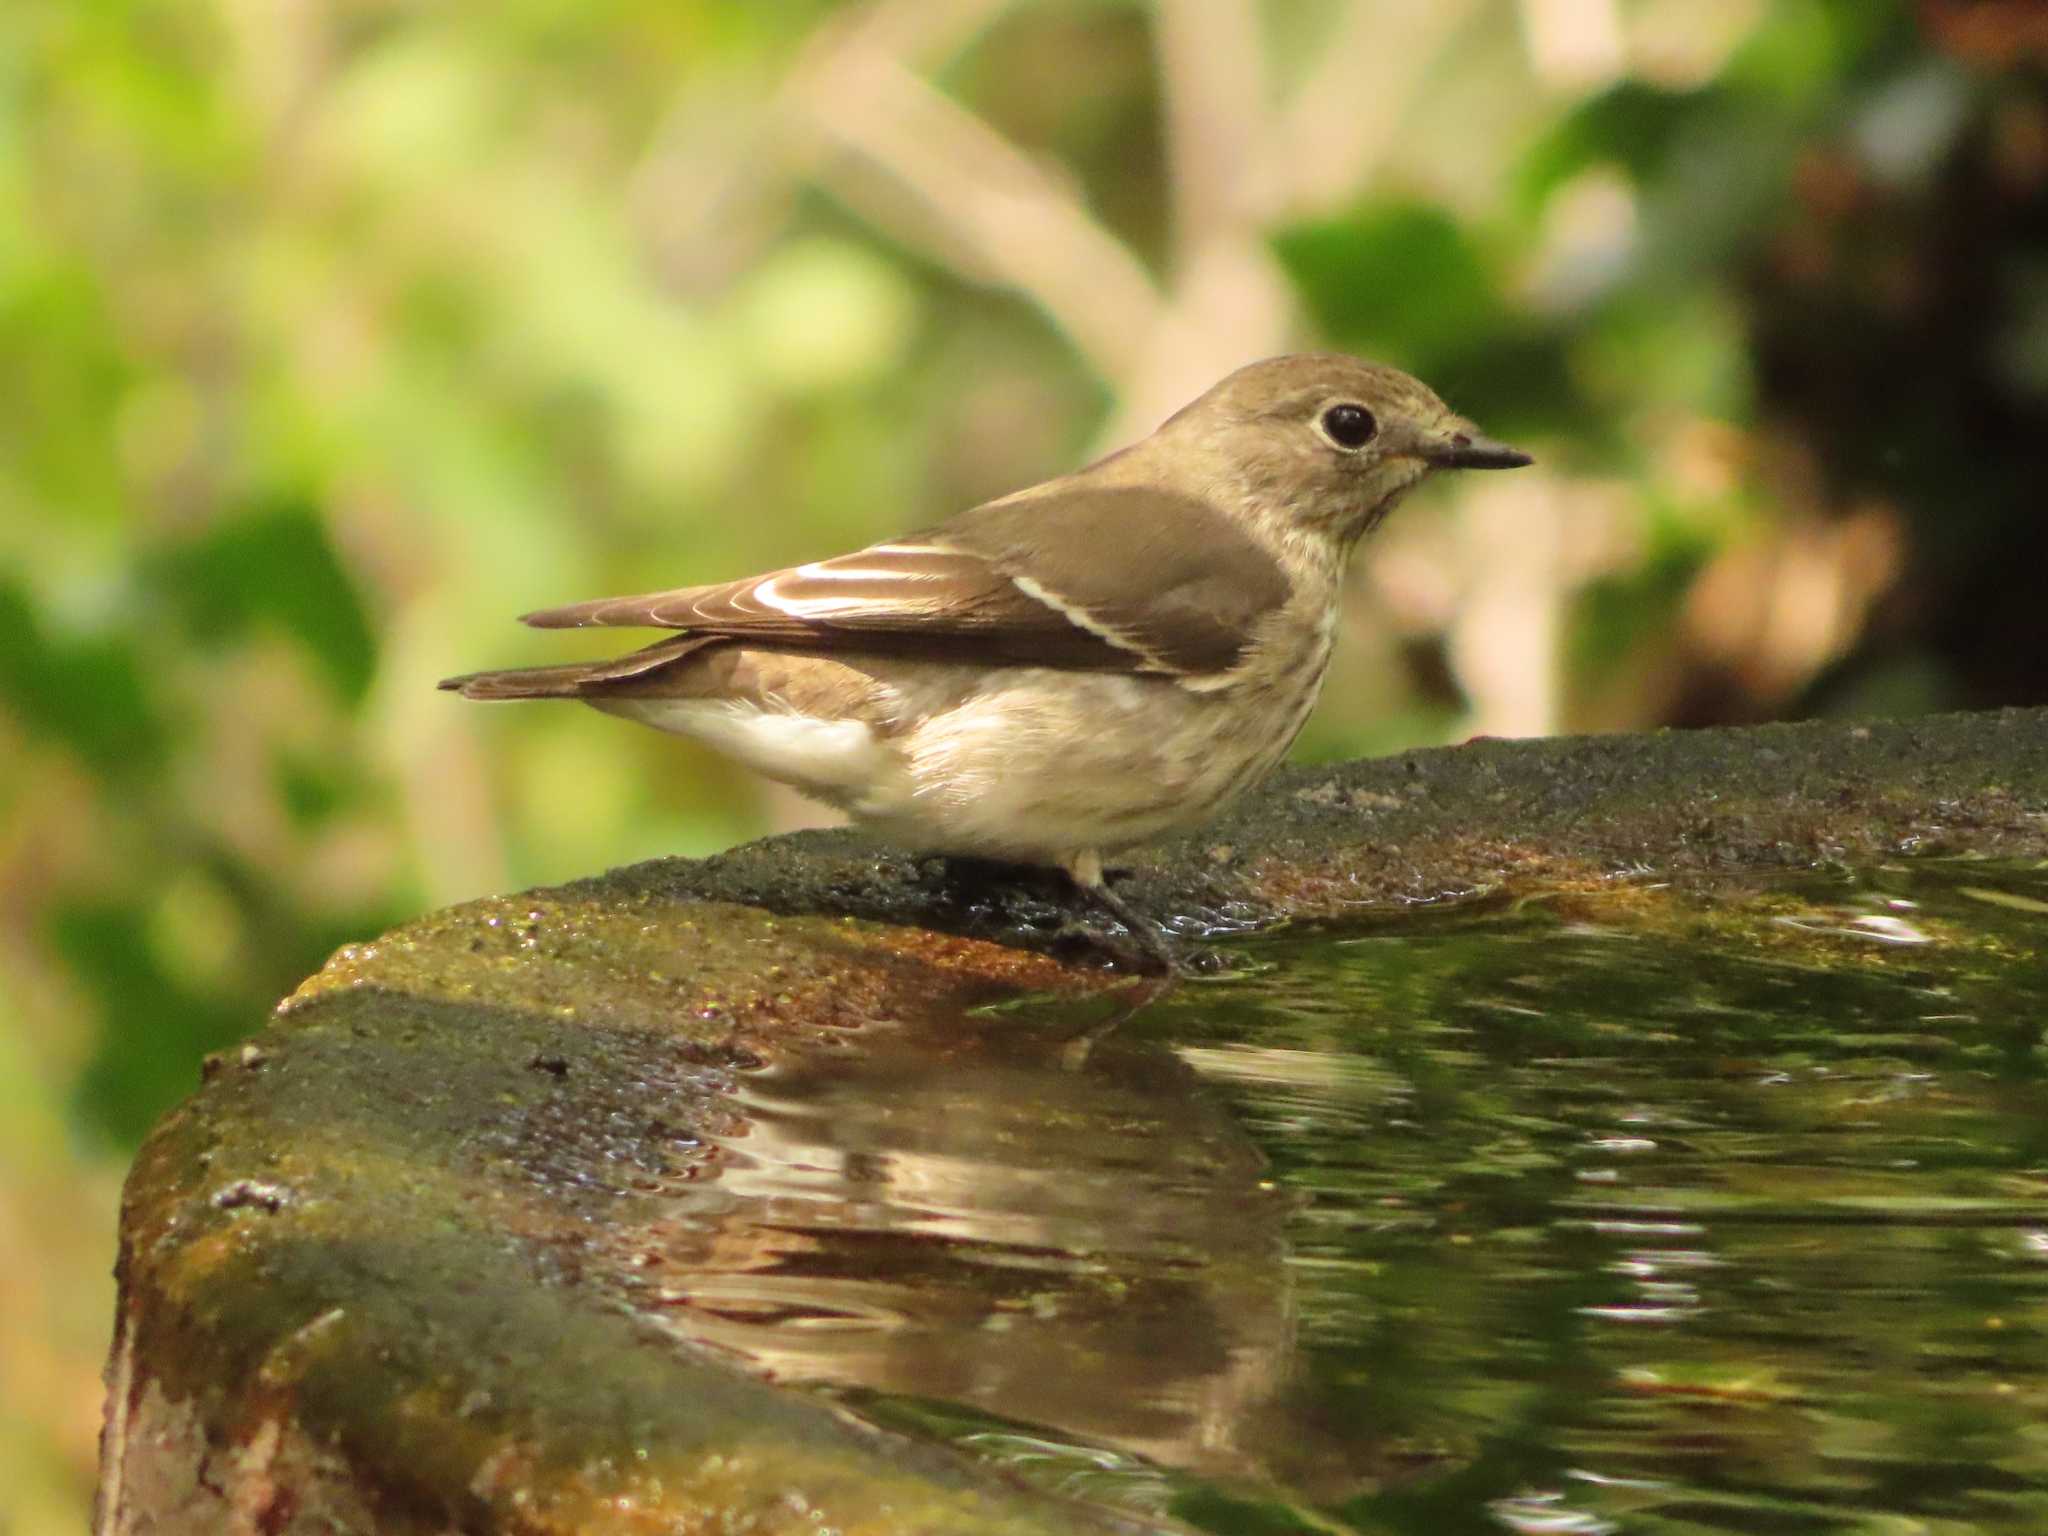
{"x":1103,"y":762}
{"x":1019,"y":763}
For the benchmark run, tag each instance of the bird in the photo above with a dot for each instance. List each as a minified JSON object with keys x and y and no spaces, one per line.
{"x":1063,"y":673}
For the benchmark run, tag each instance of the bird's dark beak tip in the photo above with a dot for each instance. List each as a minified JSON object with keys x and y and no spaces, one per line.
{"x":1469,"y":451}
{"x":1502,"y":457}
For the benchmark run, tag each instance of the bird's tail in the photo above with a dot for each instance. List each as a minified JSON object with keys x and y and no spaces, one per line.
{"x":575,"y":679}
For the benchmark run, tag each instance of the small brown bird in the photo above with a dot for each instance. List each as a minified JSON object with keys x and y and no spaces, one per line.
{"x":1066,"y":671}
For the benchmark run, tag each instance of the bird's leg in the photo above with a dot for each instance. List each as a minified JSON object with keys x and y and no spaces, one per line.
{"x":1085,"y":869}
{"x":983,"y":886}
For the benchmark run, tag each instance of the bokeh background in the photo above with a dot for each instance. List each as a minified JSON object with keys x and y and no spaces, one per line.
{"x":333,"y":333}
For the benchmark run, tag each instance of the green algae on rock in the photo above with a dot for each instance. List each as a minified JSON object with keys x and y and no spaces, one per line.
{"x":360,"y":1256}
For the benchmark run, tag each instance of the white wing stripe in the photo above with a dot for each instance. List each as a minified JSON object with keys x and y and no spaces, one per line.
{"x":826,"y":570}
{"x":1080,"y":618}
{"x":798,"y":606}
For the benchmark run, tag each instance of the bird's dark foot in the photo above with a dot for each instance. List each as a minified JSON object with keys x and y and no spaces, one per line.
{"x":1090,"y":941}
{"x":995,"y":894}
{"x":1150,"y":950}
{"x":1147,"y":949}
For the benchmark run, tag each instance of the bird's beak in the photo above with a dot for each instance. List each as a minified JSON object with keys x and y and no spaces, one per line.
{"x":1464,"y":448}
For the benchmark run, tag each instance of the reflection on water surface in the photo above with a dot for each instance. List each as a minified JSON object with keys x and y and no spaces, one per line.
{"x":1631,"y":1212}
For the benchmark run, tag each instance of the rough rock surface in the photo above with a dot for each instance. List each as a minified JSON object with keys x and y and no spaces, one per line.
{"x":387,"y":1269}
{"x":1324,"y":843}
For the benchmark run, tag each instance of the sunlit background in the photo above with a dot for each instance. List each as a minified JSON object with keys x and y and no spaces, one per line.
{"x":333,"y":333}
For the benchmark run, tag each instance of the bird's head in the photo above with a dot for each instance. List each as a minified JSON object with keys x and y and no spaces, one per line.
{"x":1327,"y":442}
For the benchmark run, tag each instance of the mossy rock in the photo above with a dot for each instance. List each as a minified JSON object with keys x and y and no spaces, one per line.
{"x":386,"y":1269}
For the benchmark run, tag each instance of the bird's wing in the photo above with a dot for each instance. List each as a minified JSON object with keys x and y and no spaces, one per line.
{"x":1090,"y":578}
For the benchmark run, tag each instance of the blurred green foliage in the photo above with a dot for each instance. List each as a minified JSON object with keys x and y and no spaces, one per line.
{"x":335,"y":333}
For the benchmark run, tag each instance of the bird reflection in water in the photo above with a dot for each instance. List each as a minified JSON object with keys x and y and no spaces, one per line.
{"x":971,"y":1212}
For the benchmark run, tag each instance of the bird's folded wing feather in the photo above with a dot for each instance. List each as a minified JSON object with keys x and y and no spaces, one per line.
{"x":1092,"y":578}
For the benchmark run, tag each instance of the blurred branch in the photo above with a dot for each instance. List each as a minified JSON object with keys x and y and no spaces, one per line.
{"x":1213,"y":81}
{"x":1574,"y":45}
{"x":1244,"y":159}
{"x":856,"y":114}
{"x":1229,"y":303}
{"x":978,"y":199}
{"x":915,"y":29}
{"x":709,"y":216}
{"x":1343,"y":119}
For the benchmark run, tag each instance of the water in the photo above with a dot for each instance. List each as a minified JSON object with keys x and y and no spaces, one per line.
{"x":1628,"y":1212}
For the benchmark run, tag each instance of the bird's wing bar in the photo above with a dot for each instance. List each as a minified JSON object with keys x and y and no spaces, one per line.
{"x":907,"y":582}
{"x":1098,"y":580}
{"x":907,"y":598}
{"x":1162,"y":574}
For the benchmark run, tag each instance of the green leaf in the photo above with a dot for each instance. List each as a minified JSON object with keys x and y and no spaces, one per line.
{"x":1402,"y":278}
{"x":274,"y":566}
{"x":87,"y":693}
{"x":1632,"y":126}
{"x":152,"y":1030}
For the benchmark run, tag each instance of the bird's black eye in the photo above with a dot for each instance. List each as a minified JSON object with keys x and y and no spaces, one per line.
{"x":1349,"y":426}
